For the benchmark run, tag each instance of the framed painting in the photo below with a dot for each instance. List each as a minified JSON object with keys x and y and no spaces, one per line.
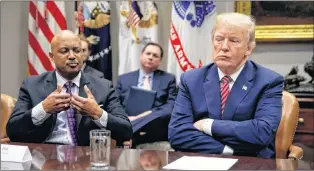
{"x":280,"y":20}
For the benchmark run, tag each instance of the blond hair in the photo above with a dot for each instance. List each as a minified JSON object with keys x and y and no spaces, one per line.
{"x":84,"y":39}
{"x":238,"y":20}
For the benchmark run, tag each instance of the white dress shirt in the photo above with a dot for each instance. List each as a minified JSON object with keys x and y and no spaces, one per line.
{"x":207,"y":125}
{"x":61,"y":133}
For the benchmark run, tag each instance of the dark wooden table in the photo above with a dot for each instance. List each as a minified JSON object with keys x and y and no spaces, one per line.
{"x":46,"y":157}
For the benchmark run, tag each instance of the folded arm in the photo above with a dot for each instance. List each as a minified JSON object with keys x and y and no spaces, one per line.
{"x":182,"y":134}
{"x":259,"y":132}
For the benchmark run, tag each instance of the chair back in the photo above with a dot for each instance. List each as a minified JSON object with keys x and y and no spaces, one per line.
{"x":288,"y":124}
{"x":7,"y":105}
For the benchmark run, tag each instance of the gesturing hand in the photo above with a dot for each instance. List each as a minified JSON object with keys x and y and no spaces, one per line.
{"x":56,"y":101}
{"x":87,"y":106}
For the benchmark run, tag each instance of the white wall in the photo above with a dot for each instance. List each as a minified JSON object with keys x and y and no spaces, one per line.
{"x":13,"y":46}
{"x":282,"y":57}
{"x":14,"y":17}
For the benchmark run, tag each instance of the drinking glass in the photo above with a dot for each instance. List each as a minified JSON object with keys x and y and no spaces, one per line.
{"x":100,"y":142}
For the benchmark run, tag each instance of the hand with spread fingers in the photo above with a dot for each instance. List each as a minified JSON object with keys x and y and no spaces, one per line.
{"x":56,"y":101}
{"x":87,"y":106}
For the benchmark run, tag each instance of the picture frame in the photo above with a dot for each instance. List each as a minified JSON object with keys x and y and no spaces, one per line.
{"x":277,"y":32}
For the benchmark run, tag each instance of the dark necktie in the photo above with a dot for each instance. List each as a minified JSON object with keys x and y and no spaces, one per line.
{"x":71,"y":114}
{"x":224,"y":92}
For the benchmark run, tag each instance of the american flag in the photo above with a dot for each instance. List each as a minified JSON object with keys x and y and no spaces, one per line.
{"x":46,"y":18}
{"x":134,"y":16}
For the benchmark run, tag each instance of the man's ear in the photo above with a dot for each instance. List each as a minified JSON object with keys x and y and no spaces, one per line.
{"x":51,"y":56}
{"x":250,"y":48}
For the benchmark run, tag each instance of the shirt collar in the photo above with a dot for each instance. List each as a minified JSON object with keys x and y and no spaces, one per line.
{"x":142,"y":74}
{"x":233,"y":76}
{"x":61,"y":80}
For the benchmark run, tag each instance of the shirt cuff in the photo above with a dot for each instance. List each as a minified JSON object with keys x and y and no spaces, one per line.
{"x":227,"y":150}
{"x":39,"y":115}
{"x":207,"y":126}
{"x":102,"y":121}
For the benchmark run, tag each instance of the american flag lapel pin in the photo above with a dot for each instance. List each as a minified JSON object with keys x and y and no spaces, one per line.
{"x":244,"y":87}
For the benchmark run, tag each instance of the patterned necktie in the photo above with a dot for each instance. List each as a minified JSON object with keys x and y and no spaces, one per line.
{"x":71,"y":114}
{"x":224,"y":92}
{"x":146,"y":84}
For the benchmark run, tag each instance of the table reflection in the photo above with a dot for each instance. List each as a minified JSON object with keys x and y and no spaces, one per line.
{"x":286,"y":164}
{"x":142,"y":160}
{"x":63,"y":157}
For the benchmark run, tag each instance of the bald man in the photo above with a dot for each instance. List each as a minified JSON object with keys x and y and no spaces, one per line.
{"x":62,"y":106}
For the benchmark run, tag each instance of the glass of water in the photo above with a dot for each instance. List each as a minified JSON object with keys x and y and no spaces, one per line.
{"x":100,"y":143}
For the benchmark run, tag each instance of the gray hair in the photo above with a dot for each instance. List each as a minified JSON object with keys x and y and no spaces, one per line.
{"x":239,"y":20}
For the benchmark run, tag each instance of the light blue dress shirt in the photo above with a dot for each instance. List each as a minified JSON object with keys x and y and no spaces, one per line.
{"x":141,"y":78}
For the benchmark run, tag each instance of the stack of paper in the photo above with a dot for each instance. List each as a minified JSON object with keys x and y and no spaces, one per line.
{"x":201,"y":163}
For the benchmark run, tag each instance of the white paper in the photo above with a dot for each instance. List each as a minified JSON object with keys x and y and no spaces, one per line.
{"x":201,"y":163}
{"x":15,"y":153}
{"x":16,"y":166}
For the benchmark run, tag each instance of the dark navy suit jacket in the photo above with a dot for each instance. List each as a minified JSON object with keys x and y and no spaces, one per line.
{"x":251,"y":117}
{"x":165,"y":85}
{"x":35,"y":89}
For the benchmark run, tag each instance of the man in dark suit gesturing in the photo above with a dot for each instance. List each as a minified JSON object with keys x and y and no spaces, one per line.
{"x":151,"y":125}
{"x":62,"y":106}
{"x":232,"y":106}
{"x":85,"y":54}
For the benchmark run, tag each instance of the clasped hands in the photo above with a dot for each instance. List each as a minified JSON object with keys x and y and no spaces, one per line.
{"x":57,"y":102}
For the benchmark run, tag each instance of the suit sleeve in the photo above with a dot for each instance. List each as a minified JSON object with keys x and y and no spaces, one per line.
{"x":166,"y":108}
{"x":20,"y":126}
{"x":118,"y":88}
{"x":259,"y":132}
{"x":182,"y":134}
{"x":118,"y":121}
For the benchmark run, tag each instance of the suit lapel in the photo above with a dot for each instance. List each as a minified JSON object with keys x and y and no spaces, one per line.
{"x":156,"y":81}
{"x":50,"y":83}
{"x":133,"y":79}
{"x":50,"y":86}
{"x":212,"y":92}
{"x":239,"y":90}
{"x":84,"y":81}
